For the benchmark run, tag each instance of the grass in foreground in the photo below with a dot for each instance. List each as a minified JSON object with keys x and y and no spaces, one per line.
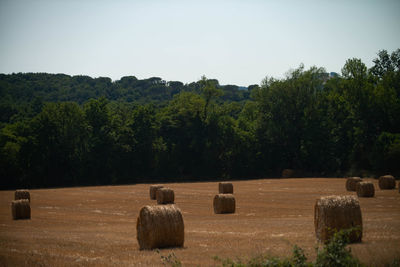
{"x":333,"y":254}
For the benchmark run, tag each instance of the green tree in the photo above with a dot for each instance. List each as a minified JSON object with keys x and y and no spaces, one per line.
{"x":354,"y":69}
{"x":144,"y":131}
{"x":358,"y":95}
{"x":386,"y":93}
{"x":54,"y":156}
{"x":135,"y":134}
{"x":386,"y":153}
{"x":182,"y":129}
{"x":209,"y":91}
{"x":386,"y":63}
{"x":100,"y":148}
{"x":290,"y":132}
{"x":12,"y":138}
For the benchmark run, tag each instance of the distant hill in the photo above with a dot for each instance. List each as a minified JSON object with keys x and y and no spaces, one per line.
{"x":22,"y":88}
{"x":61,"y":87}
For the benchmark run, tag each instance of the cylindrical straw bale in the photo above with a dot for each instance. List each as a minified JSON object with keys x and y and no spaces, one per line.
{"x":335,"y":213}
{"x":224,"y":203}
{"x":387,"y":182}
{"x":225,"y":188}
{"x":365,"y":189}
{"x":153,"y":190}
{"x":22,"y":194}
{"x":21,"y":209}
{"x":159,"y":227}
{"x":351,"y":183}
{"x":287,"y":173}
{"x":165,"y":196}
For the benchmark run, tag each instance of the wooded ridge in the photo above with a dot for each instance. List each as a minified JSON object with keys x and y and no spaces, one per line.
{"x":61,"y":130}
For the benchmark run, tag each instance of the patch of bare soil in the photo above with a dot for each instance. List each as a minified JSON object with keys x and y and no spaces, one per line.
{"x":96,"y":226}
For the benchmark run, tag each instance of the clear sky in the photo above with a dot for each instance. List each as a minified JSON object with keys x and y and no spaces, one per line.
{"x":236,"y":42}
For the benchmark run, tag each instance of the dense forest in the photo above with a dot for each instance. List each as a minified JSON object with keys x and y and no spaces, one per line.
{"x":61,"y":130}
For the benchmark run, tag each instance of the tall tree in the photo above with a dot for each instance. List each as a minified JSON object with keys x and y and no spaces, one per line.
{"x":58,"y":145}
{"x":100,"y":154}
{"x":209,"y":91}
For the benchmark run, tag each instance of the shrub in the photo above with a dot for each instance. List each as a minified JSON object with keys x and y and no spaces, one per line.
{"x":298,"y":259}
{"x":335,"y":253}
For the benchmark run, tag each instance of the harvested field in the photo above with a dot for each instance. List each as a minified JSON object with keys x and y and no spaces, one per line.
{"x":96,"y":226}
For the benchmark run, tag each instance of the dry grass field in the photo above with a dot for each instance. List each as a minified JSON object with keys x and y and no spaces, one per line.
{"x":96,"y":226}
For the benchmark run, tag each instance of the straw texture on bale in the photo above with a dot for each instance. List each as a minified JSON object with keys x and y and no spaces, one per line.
{"x":165,"y":196}
{"x":387,"y":182}
{"x":21,"y":209}
{"x":351,"y":183}
{"x":225,"y":188}
{"x":224,"y":203}
{"x":153,"y":190}
{"x":365,"y":189}
{"x":160,"y":226}
{"x":287,"y":173}
{"x":22,"y":194}
{"x":335,"y":213}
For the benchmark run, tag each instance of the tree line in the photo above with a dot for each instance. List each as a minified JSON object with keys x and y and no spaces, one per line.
{"x":58,"y":130}
{"x":18,"y":91}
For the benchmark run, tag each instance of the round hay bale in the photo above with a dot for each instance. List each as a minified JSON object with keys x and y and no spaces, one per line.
{"x":365,"y":189}
{"x":225,"y":188}
{"x":153,"y":190}
{"x":335,"y":213}
{"x":21,"y":209}
{"x":159,"y":227}
{"x":165,"y":196}
{"x":224,"y":203}
{"x":287,"y":173}
{"x":352,"y":182}
{"x":387,"y":182}
{"x":22,"y":194}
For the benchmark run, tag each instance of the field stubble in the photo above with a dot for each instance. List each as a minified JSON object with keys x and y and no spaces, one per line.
{"x":96,"y":226}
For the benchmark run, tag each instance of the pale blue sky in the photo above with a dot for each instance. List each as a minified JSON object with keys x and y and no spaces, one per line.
{"x":236,"y":42}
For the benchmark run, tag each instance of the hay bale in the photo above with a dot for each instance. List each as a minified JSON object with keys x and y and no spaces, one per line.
{"x":352,"y":182}
{"x":335,"y":213}
{"x":165,"y":196}
{"x":225,"y":188}
{"x":21,"y":209}
{"x":224,"y":203}
{"x":153,"y":190}
{"x":287,"y":173}
{"x":387,"y":182}
{"x":365,"y":189}
{"x":22,"y":194}
{"x":159,"y":227}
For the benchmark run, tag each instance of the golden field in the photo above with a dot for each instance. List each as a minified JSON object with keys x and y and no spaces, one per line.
{"x":96,"y":226}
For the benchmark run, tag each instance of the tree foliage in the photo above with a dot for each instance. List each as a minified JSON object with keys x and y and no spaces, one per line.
{"x":58,"y":130}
